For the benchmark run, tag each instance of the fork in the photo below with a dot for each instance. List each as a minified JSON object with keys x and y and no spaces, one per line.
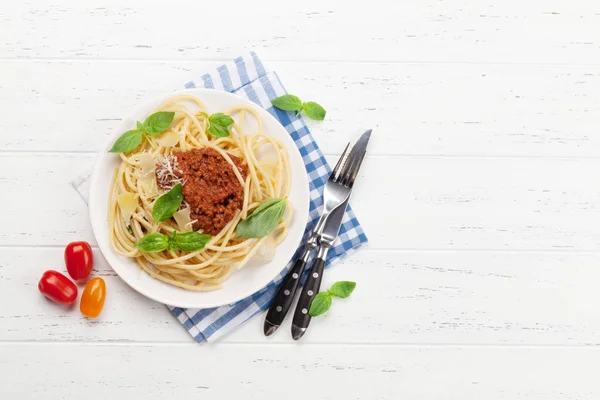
{"x":335,"y":194}
{"x":337,"y":190}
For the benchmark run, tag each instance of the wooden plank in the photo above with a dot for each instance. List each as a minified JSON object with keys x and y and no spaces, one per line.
{"x":401,"y":297}
{"x":457,"y":297}
{"x":44,"y":207}
{"x":421,"y":203}
{"x":127,"y":316}
{"x":272,"y":372}
{"x":415,"y":109}
{"x":478,"y":31}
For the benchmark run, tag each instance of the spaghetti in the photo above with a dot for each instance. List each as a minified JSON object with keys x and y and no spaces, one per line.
{"x":264,"y":161}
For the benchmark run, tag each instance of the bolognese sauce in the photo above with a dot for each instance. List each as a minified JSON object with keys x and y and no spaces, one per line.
{"x":210,"y":187}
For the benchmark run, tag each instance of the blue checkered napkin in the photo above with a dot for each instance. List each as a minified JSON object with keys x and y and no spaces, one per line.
{"x":247,"y":78}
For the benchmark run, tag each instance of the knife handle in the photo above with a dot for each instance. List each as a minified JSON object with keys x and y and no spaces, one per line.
{"x":285,"y":297}
{"x":309,"y":291}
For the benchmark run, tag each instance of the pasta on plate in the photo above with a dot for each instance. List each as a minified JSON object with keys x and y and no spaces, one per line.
{"x":196,"y":195}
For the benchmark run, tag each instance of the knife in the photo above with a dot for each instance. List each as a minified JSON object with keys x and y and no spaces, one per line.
{"x":313,"y":282}
{"x":336,"y":191}
{"x":327,"y":237}
{"x":287,"y":290}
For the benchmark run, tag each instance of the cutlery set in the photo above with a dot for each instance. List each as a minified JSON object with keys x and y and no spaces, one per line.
{"x":335,"y":199}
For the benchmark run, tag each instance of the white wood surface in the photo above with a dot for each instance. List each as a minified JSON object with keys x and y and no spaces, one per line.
{"x":479,"y":196}
{"x":252,"y":372}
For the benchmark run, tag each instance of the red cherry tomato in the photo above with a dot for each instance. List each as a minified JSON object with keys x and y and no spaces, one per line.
{"x":79,"y":259}
{"x":92,"y":299}
{"x":57,"y":287}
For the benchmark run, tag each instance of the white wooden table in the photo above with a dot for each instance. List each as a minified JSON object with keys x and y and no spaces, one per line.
{"x":480,"y":196}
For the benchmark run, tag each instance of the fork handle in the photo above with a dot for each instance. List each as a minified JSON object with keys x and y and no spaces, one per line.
{"x":309,"y":291}
{"x":285,"y":295}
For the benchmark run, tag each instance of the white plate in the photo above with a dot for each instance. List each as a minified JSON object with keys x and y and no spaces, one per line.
{"x":240,"y":284}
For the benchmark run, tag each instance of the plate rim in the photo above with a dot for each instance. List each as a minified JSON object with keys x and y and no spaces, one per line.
{"x":96,"y":222}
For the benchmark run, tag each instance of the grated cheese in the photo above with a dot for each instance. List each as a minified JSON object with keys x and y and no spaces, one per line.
{"x":165,"y":172}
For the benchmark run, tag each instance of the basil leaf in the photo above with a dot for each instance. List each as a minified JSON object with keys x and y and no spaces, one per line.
{"x":288,"y":102}
{"x":263,"y":219}
{"x":140,"y":126}
{"x":191,"y":241}
{"x":127,"y":142}
{"x":342,"y":289}
{"x":153,"y":243}
{"x":129,"y":229}
{"x":221,"y":119}
{"x":219,"y":124}
{"x":266,"y":204}
{"x":314,"y":111}
{"x":320,"y":304}
{"x":158,"y":122}
{"x":168,"y":203}
{"x":172,"y":241}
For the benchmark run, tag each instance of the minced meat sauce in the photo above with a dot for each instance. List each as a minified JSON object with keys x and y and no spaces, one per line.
{"x":210,"y":187}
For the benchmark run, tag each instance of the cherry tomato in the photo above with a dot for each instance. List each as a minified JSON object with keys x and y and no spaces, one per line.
{"x":57,"y":287}
{"x":92,"y":299}
{"x":79,"y":259}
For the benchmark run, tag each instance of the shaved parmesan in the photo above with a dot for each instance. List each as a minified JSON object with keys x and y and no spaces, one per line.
{"x":128,"y":204}
{"x":169,"y":139}
{"x":149,"y":185}
{"x":266,"y":249}
{"x":182,"y":217}
{"x":269,"y":164}
{"x":148,"y":175}
{"x":147,"y":164}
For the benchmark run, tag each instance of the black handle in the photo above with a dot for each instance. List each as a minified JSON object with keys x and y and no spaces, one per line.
{"x":309,"y":291}
{"x":284,"y":297}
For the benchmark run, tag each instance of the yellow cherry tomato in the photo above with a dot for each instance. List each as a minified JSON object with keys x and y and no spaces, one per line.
{"x":92,"y":299}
